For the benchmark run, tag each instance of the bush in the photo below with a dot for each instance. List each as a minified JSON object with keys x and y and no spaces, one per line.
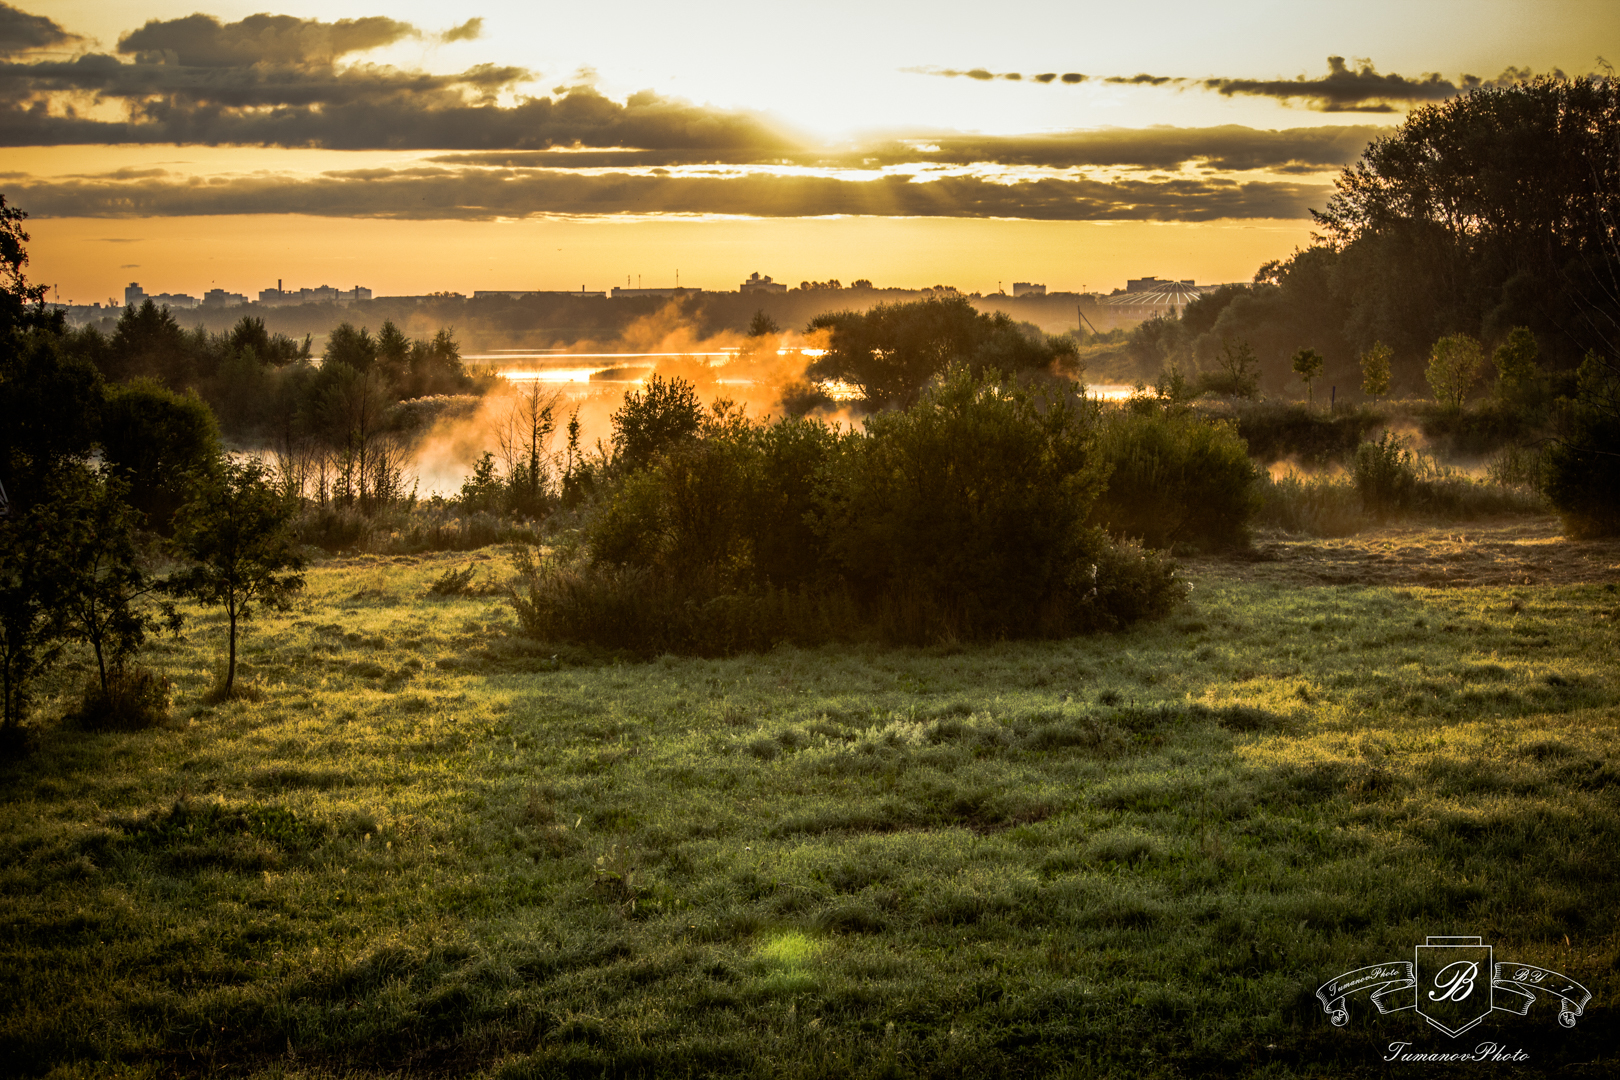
{"x":960,"y":518}
{"x":1384,"y":475}
{"x":1582,"y":478}
{"x":455,"y":582}
{"x":1288,"y":431}
{"x":1479,"y":430}
{"x":1175,"y":478}
{"x":964,"y":515}
{"x":133,"y":698}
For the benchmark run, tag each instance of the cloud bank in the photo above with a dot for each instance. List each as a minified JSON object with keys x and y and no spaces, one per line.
{"x":438,"y":192}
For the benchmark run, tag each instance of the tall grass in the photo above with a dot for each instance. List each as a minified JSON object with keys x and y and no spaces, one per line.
{"x":1390,"y":483}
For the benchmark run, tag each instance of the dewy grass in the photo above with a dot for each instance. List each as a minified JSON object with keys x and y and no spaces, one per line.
{"x":437,"y":849}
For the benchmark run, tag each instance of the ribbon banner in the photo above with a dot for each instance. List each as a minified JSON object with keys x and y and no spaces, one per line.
{"x":1453,"y":983}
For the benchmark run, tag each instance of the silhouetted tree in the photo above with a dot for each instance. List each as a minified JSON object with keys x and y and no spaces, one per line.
{"x":157,"y":441}
{"x":149,"y":343}
{"x":891,"y":352}
{"x":1494,"y":209}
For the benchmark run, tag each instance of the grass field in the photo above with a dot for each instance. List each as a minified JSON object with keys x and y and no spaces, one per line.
{"x":433,"y":848}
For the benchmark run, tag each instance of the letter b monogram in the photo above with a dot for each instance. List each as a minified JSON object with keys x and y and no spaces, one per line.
{"x":1454,"y":982}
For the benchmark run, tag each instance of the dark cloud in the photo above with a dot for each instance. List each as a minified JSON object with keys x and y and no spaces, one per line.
{"x":1230,"y":147}
{"x":203,"y":41}
{"x":1141,"y":80}
{"x":1362,"y":88}
{"x":21,"y":32}
{"x":431,"y":192}
{"x":275,"y":80}
{"x":1227,"y":148}
{"x":467,"y":31}
{"x":167,"y":94}
{"x":1342,"y":89}
{"x":985,"y":75}
{"x":355,"y":108}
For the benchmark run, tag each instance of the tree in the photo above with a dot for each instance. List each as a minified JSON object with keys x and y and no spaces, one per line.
{"x":1582,"y":477}
{"x":102,"y":593}
{"x":16,"y":295}
{"x":149,"y":343}
{"x":348,"y":346}
{"x":1455,"y":363}
{"x":237,"y":533}
{"x":966,"y":512}
{"x":1492,"y":209}
{"x":1375,"y":370}
{"x":1518,"y":378}
{"x":50,"y":410}
{"x":436,"y":365}
{"x":654,"y":419}
{"x":1238,"y":374}
{"x":523,"y":440}
{"x":157,"y":441}
{"x":393,"y":352}
{"x":1308,"y":366}
{"x":33,"y":621}
{"x":276,"y":350}
{"x":762,"y":325}
{"x":892,"y":351}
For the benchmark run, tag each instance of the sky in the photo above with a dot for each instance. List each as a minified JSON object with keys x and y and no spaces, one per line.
{"x":409,"y":148}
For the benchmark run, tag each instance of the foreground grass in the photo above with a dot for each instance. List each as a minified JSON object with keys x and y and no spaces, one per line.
{"x":435,"y":849}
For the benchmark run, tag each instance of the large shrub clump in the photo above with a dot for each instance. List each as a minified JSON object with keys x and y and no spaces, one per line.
{"x":1582,"y":478}
{"x":1175,"y":478}
{"x":962,"y":517}
{"x":965,"y":515}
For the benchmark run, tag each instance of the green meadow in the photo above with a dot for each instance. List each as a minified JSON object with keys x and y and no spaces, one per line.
{"x":431,"y":847}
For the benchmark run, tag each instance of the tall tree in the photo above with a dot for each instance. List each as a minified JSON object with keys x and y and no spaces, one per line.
{"x":891,"y":352}
{"x":1493,"y":209}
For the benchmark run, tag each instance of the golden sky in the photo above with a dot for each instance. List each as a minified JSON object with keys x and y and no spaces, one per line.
{"x":549,"y":146}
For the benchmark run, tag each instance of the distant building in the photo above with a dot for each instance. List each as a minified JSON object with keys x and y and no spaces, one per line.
{"x":324,"y":294}
{"x":679,"y":290}
{"x":1025,"y":288}
{"x":755,"y":283}
{"x":1148,"y":297}
{"x":523,"y":294}
{"x":135,"y":296}
{"x":221,"y":298}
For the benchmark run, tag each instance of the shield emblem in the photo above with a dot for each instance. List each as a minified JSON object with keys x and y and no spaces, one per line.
{"x":1453,"y":982}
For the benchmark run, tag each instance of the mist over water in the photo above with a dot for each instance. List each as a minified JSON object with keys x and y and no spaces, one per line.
{"x":590,"y":377}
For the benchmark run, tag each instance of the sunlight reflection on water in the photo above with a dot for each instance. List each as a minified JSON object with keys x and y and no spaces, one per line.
{"x":548,"y":366}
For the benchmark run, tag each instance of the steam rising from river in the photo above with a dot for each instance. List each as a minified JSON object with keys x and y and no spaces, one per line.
{"x":590,"y":378}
